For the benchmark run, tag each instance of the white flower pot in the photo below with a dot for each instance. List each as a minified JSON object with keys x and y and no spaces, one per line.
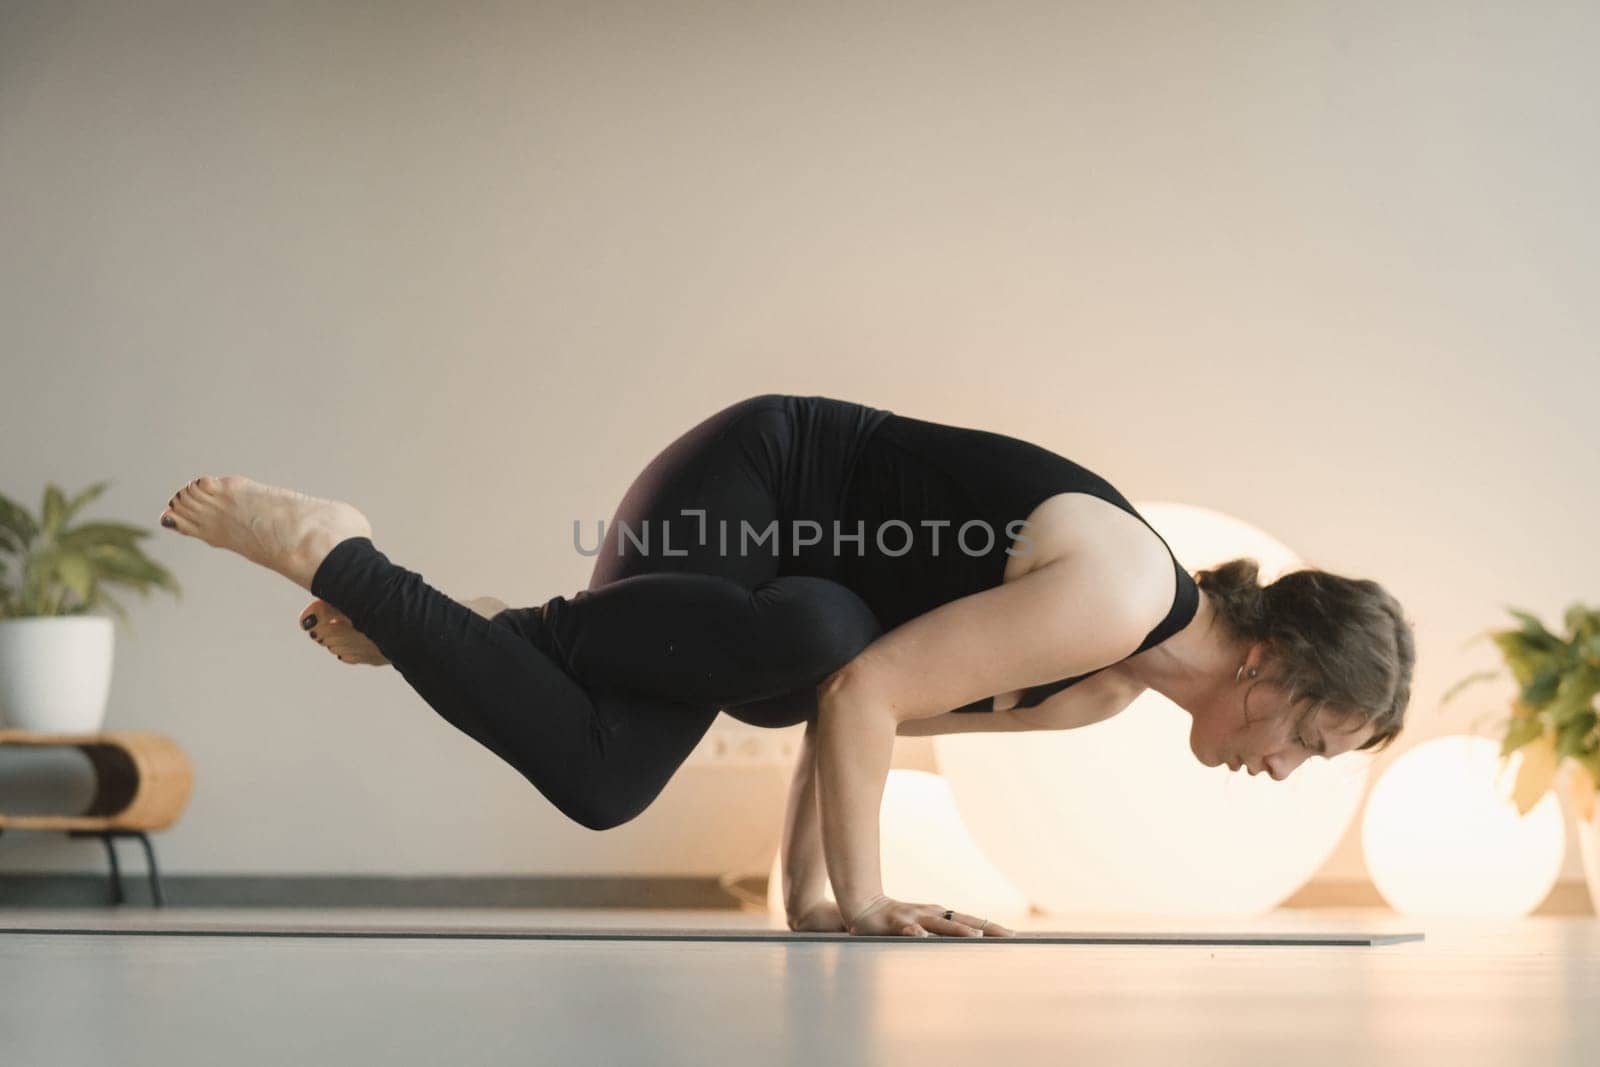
{"x":55,"y":673}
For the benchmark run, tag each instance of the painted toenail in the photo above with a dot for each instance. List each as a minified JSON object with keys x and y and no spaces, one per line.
{"x":309,"y":621}
{"x":169,"y":522}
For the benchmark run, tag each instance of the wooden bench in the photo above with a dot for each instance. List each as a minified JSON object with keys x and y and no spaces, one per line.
{"x":142,"y":783}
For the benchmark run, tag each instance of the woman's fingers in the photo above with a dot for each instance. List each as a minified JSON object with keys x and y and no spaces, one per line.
{"x":955,"y":926}
{"x":960,"y":924}
{"x":884,"y":915}
{"x":993,"y":929}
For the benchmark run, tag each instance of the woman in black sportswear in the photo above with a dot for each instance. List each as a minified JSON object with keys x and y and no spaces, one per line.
{"x":804,"y":559}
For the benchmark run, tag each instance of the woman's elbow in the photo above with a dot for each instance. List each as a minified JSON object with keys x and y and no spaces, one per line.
{"x":836,"y":690}
{"x":853,"y":691}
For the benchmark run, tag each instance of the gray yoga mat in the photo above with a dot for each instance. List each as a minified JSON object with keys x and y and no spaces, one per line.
{"x":620,"y":933}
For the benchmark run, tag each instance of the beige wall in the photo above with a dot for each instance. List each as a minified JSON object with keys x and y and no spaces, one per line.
{"x":1327,"y":267}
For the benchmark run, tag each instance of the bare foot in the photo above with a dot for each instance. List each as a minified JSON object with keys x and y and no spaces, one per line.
{"x":330,"y":628}
{"x":282,"y":530}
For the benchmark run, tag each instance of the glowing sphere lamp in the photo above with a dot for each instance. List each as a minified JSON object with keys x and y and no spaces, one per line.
{"x":1441,"y":835}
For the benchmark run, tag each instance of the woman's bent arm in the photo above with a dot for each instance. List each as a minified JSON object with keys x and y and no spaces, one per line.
{"x":804,"y":872}
{"x":855,"y":745}
{"x":1068,"y":617}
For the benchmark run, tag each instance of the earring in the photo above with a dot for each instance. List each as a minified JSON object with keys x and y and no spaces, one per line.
{"x":1237,"y":673}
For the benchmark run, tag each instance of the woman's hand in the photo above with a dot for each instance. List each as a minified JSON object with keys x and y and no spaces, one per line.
{"x":887,"y":916}
{"x":822,"y":918}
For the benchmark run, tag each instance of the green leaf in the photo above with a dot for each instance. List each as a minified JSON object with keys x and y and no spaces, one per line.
{"x":1573,"y":738}
{"x":1519,"y":733}
{"x":129,"y":566}
{"x":1534,"y":630}
{"x":81,"y":499}
{"x":54,"y":507}
{"x":76,"y":573}
{"x":1577,"y":688}
{"x":1527,"y":656}
{"x":1541,"y":689}
{"x":1581,"y":621}
{"x":91,"y":534}
{"x":16,"y":526}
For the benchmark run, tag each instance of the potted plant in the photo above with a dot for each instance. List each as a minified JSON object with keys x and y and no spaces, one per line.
{"x":1553,"y":718}
{"x":55,"y":657}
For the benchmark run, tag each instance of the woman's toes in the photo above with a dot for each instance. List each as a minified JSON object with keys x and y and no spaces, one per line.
{"x":194,"y":502}
{"x":332,"y":629}
{"x":184,"y":500}
{"x":345,"y":650}
{"x":318,"y":610}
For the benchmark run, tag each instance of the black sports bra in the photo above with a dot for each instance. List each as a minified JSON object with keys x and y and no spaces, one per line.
{"x":925,"y":474}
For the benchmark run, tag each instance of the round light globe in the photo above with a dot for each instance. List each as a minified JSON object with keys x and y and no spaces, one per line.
{"x":1441,"y":835}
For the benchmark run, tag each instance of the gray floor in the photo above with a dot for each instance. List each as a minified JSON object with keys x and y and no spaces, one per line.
{"x":1518,"y":991}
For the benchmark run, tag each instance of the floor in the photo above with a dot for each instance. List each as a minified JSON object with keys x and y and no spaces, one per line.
{"x":1473,"y":992}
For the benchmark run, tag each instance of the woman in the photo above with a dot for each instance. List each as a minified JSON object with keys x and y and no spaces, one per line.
{"x":803,"y":559}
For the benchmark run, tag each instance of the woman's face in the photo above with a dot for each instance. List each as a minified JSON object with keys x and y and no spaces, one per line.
{"x":1251,"y":726}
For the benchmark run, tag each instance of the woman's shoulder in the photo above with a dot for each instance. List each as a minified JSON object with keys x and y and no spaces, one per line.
{"x":1080,"y":526}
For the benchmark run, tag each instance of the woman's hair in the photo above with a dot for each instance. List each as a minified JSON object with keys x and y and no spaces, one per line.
{"x":1341,"y":642}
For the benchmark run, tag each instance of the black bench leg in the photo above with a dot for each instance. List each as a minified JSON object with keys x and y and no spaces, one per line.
{"x":156,"y":894}
{"x":117,"y":895}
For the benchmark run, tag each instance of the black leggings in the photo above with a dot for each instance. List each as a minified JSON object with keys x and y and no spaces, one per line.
{"x":597,"y":699}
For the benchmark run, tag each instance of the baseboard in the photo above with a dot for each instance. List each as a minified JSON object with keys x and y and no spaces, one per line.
{"x":1570,"y":897}
{"x":368,"y":891}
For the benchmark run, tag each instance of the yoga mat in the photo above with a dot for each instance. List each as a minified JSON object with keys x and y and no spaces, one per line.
{"x":615,"y":933}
